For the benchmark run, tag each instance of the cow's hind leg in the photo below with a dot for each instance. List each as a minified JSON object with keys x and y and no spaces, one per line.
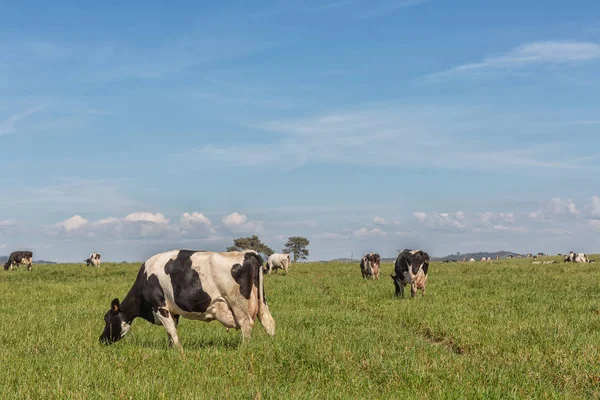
{"x":170,"y":325}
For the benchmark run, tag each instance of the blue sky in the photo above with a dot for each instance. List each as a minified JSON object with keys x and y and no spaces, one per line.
{"x":130,"y":129}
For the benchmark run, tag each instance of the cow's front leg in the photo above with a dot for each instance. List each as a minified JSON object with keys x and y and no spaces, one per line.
{"x":243,"y":319}
{"x":170,"y":325}
{"x":413,"y":290}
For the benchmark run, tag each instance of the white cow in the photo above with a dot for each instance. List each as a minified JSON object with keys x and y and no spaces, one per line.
{"x":278,"y":261}
{"x":582,"y":258}
{"x":471,"y":260}
{"x":93,"y":259}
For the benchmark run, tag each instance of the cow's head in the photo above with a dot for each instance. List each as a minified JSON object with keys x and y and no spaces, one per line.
{"x":376,"y":259}
{"x":116,"y":324}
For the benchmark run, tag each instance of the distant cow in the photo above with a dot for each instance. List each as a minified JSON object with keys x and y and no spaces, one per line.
{"x":17,"y":258}
{"x":93,"y":259}
{"x":196,"y":285}
{"x":411,"y":269}
{"x":497,"y":257}
{"x":278,"y":261}
{"x":549,"y":262}
{"x":471,"y":259}
{"x":511,"y":256}
{"x":369,"y":266}
{"x":569,"y":257}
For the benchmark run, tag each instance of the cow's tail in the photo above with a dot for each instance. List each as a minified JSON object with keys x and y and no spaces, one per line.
{"x":264,"y":315}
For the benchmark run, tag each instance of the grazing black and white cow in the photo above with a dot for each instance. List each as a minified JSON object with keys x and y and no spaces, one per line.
{"x":369,"y":266}
{"x":93,"y":259}
{"x":411,"y":269}
{"x":196,"y":285}
{"x":17,"y":258}
{"x":569,"y":257}
{"x":278,"y":261}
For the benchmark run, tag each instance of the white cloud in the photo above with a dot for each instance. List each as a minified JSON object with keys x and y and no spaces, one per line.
{"x":73,"y":223}
{"x":594,"y":223}
{"x":449,"y":135}
{"x":468,"y":222}
{"x":143,"y":216}
{"x":556,"y":208}
{"x":195,"y":221}
{"x":195,"y":218}
{"x":369,"y":232}
{"x":8,"y":125}
{"x":359,"y":233}
{"x":593,"y":208}
{"x":379,"y":221}
{"x":441,"y":220}
{"x":238,"y":222}
{"x":535,"y":53}
{"x":8,"y":222}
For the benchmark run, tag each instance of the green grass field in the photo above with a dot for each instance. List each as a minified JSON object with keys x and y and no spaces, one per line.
{"x":505,"y":329}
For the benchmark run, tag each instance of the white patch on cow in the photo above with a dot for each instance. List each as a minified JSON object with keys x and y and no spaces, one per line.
{"x":125,"y":327}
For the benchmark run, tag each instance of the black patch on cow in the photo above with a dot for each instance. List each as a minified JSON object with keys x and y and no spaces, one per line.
{"x":164,"y":312}
{"x":187,"y":288}
{"x":153,"y":294}
{"x":247,"y":274}
{"x":244,"y":276}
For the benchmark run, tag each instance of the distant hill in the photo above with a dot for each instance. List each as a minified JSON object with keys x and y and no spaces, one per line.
{"x":4,"y":259}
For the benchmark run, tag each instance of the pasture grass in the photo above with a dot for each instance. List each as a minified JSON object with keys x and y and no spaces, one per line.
{"x":506,"y":329}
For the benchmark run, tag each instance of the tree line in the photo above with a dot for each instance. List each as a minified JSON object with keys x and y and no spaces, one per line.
{"x":296,"y":245}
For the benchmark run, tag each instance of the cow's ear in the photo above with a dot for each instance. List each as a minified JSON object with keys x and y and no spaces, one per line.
{"x":115,"y":306}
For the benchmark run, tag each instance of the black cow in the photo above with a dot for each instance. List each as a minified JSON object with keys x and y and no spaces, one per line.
{"x":19,"y":257}
{"x":411,"y":269}
{"x":203,"y":286}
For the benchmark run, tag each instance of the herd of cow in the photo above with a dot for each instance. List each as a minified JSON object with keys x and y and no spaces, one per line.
{"x":227,"y":287}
